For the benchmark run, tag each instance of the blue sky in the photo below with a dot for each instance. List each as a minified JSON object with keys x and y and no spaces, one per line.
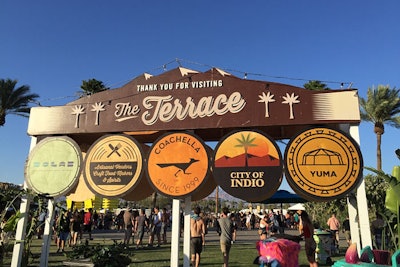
{"x":53,"y":45}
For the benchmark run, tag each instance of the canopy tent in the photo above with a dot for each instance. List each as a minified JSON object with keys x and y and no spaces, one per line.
{"x":283,"y":196}
{"x":298,"y":206}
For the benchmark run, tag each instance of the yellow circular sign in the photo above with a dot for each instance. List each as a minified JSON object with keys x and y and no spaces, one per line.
{"x":178,"y":164}
{"x":323,"y":164}
{"x":113,"y":165}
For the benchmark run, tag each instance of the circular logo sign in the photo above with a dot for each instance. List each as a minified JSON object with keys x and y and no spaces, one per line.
{"x":323,"y":164}
{"x":53,"y":166}
{"x":248,"y":165}
{"x":178,"y":164}
{"x":113,"y":165}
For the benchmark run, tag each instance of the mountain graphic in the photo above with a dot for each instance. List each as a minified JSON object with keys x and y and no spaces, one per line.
{"x":252,"y":161}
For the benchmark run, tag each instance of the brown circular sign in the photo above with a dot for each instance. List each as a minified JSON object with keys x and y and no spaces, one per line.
{"x":323,"y":164}
{"x":248,"y":165}
{"x":54,"y":166}
{"x":177,"y":164}
{"x":113,"y":165}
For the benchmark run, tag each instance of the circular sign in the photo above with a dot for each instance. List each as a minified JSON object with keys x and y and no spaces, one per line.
{"x":113,"y":165}
{"x":53,"y":166}
{"x":178,"y":164}
{"x":323,"y":164}
{"x":248,"y":165}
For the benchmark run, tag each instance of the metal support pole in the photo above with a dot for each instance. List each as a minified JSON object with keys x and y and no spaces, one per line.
{"x":23,"y":221}
{"x":19,"y":245}
{"x":175,"y":232}
{"x":47,"y":234}
{"x":186,"y":235}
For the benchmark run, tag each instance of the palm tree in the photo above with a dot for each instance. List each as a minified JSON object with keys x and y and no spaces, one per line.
{"x":91,"y":87}
{"x":381,"y":107}
{"x":316,"y":85}
{"x":245,"y":142}
{"x":14,"y":100}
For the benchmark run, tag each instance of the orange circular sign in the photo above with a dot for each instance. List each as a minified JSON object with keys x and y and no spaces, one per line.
{"x":178,"y":164}
{"x":113,"y":165}
{"x":323,"y":164}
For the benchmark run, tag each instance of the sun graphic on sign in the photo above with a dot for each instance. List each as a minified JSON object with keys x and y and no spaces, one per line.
{"x":246,"y":142}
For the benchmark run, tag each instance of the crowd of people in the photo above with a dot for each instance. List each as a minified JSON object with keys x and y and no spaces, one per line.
{"x":68,"y":228}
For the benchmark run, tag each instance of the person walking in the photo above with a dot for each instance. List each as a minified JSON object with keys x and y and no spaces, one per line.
{"x":334,"y":225}
{"x":141,"y":225}
{"x":88,"y":222}
{"x":63,"y":223}
{"x":226,"y":226}
{"x":197,"y":237}
{"x":128,"y":226}
{"x":75,"y":228}
{"x":164,"y":225}
{"x":377,"y":227}
{"x":307,"y":230}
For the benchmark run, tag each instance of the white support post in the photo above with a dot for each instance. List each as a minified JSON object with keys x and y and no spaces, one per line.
{"x":362,"y":204}
{"x":186,"y":235}
{"x":47,"y":234}
{"x":353,"y":219}
{"x":21,"y":226}
{"x":175,"y":232}
{"x":20,"y":234}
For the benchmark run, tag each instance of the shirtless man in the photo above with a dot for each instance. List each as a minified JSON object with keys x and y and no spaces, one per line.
{"x":197,"y":237}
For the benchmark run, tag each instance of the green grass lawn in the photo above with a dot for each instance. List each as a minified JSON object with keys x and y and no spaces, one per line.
{"x":242,"y":254}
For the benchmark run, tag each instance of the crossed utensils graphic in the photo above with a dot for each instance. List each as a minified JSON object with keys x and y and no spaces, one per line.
{"x":114,"y":149}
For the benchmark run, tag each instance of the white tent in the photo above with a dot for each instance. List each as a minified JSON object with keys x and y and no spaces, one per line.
{"x":298,"y":206}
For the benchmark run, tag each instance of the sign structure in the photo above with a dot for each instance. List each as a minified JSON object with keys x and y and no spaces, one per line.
{"x":248,"y":165}
{"x":178,"y":164}
{"x":205,"y":103}
{"x":54,"y":166}
{"x":113,"y":165}
{"x":323,"y":164}
{"x":210,"y":105}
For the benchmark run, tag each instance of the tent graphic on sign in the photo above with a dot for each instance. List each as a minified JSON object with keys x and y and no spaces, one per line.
{"x":322,"y":156}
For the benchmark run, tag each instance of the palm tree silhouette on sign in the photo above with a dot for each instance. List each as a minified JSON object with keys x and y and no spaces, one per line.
{"x":266,"y":99}
{"x":77,"y":111}
{"x":97,"y":107}
{"x":290,"y":100}
{"x":182,"y":166}
{"x":246,"y":142}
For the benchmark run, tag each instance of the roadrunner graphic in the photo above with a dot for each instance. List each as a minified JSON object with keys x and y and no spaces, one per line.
{"x":181,"y":166}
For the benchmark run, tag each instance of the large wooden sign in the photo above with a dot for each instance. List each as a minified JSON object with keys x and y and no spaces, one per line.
{"x":206,"y":103}
{"x":323,"y":164}
{"x":210,"y":106}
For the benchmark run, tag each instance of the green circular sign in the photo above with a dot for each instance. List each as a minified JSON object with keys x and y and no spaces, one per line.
{"x":54,"y":166}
